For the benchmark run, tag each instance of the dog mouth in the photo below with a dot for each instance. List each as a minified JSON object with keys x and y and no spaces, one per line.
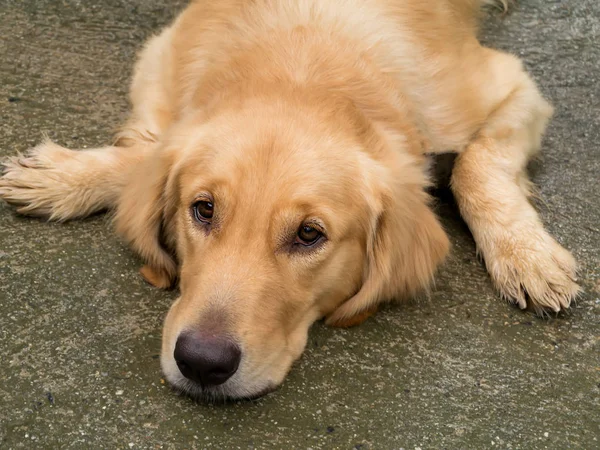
{"x":221,"y":394}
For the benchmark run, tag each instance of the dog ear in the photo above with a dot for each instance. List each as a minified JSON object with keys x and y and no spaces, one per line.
{"x":145,"y":213}
{"x":405,"y":245}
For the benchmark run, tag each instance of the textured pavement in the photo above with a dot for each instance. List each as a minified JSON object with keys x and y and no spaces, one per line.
{"x":80,"y":331}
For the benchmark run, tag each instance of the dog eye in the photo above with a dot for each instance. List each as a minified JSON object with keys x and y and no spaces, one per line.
{"x":203,"y":211}
{"x":308,"y":235}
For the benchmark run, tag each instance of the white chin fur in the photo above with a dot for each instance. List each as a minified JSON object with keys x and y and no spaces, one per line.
{"x":232,"y":389}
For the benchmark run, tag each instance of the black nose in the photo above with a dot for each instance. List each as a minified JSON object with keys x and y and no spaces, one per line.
{"x":208,"y":360}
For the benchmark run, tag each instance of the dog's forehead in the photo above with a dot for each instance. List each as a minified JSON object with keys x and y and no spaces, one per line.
{"x":276,"y":164}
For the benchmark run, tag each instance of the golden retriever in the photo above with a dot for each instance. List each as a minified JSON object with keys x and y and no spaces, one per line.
{"x":274,"y":164}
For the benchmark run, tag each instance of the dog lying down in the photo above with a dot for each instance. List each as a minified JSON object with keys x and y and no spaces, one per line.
{"x":274,"y":164}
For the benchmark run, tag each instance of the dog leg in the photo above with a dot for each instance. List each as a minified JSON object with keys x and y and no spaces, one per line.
{"x":491,"y":187}
{"x":60,"y":184}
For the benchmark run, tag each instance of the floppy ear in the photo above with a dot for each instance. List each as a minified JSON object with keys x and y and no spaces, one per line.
{"x":145,"y":212}
{"x":405,"y":245}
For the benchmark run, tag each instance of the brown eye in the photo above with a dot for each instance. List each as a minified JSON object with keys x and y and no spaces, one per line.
{"x":308,"y":235}
{"x":203,"y":211}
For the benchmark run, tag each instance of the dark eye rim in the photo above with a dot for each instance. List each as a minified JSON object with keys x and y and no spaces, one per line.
{"x":197,"y":215}
{"x":320,"y":237}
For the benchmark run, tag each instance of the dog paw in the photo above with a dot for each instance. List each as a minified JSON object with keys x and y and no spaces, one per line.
{"x":534,"y":271}
{"x":37,"y":182}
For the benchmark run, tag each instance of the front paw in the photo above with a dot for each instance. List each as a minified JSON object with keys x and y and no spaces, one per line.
{"x":37,"y":183}
{"x":532,"y":270}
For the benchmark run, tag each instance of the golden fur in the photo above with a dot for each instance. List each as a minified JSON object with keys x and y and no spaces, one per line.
{"x":285,"y":111}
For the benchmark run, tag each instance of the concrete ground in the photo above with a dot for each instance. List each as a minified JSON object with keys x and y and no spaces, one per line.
{"x":80,"y":331}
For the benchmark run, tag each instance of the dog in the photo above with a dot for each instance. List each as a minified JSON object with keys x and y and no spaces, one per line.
{"x":274,"y":166}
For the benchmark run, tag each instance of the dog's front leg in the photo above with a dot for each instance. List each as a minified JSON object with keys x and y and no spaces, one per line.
{"x":61,"y":184}
{"x":490,"y":184}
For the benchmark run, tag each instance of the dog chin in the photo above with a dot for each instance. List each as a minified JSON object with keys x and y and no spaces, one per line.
{"x":232,"y":390}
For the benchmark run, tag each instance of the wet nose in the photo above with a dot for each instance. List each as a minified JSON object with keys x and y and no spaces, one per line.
{"x":208,"y":360}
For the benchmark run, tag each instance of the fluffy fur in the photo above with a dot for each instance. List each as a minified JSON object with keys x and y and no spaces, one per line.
{"x":283,"y":112}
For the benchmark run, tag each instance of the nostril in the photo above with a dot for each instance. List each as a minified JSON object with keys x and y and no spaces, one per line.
{"x":182,"y":365}
{"x":208,"y":360}
{"x":186,"y":370}
{"x":221,"y":371}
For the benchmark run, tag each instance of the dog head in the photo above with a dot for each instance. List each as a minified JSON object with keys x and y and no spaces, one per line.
{"x":278,"y":214}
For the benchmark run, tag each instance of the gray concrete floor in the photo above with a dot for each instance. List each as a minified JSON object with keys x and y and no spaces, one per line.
{"x":80,"y":331}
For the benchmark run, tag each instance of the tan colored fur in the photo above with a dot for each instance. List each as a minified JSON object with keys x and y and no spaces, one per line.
{"x":284,"y":111}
